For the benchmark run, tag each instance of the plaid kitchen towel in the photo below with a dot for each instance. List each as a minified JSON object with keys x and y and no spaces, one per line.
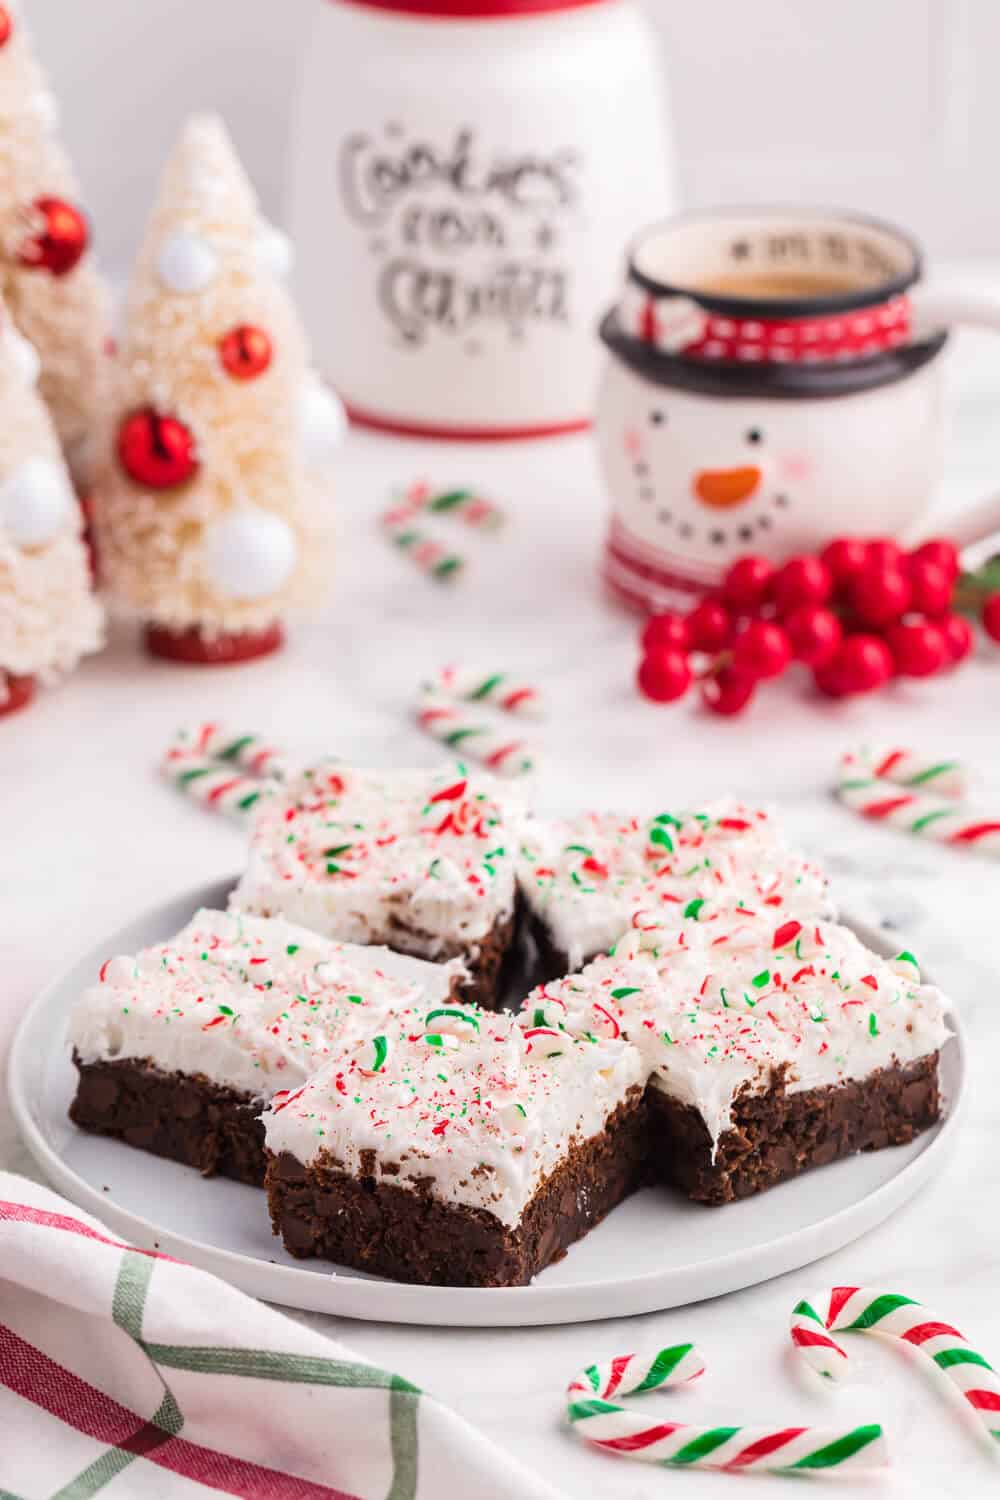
{"x":128,"y":1372}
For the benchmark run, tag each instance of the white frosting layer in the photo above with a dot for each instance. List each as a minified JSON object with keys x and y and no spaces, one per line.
{"x":254,"y":1004}
{"x":733,"y":1003}
{"x":423,"y":860}
{"x":585,"y":877}
{"x":468,"y":1099}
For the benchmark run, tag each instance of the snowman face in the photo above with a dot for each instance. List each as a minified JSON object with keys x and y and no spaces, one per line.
{"x":705,"y":478}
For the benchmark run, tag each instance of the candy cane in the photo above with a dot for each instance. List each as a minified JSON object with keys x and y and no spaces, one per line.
{"x":497,"y":688}
{"x":788,"y":1450}
{"x":949,"y":778}
{"x":214,"y":785}
{"x":429,"y":555}
{"x":469,"y":506}
{"x":250,"y":752}
{"x":860,"y":1308}
{"x":440,"y":718}
{"x":922,"y":813}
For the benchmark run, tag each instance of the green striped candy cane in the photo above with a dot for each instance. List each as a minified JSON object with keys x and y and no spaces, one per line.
{"x":785,"y":1450}
{"x":864,"y":1309}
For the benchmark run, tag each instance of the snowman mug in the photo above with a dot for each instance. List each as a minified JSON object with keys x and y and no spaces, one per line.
{"x":773,"y":381}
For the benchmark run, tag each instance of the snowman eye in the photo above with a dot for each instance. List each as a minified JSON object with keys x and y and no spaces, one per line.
{"x":657,"y":417}
{"x":754,"y":435}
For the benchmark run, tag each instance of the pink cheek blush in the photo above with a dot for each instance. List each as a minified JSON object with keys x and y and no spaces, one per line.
{"x":632,"y":442}
{"x":795,"y":466}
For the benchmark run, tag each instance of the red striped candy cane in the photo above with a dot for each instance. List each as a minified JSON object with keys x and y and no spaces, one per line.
{"x":216,"y":786}
{"x":949,"y":778}
{"x":440,"y":718}
{"x":925,"y":814}
{"x":788,"y":1450}
{"x":251,"y":752}
{"x":867,"y":1310}
{"x":498,"y":688}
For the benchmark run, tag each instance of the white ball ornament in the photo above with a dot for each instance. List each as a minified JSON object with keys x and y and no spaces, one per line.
{"x":275,"y":255}
{"x":322,"y":422}
{"x":186,"y":262}
{"x":36,"y":501}
{"x":249,"y":555}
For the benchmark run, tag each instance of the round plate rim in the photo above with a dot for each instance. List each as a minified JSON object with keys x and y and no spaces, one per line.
{"x":345,"y":1295}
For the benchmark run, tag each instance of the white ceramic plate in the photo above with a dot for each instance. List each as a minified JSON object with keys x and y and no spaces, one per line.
{"x":655,"y":1251}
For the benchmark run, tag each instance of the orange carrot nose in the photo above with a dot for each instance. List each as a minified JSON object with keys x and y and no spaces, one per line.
{"x":723,"y":487}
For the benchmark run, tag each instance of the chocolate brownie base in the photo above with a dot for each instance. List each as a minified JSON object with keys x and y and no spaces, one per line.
{"x":777,"y":1135}
{"x":485,"y":964}
{"x":183,"y":1117}
{"x":372,"y":1224}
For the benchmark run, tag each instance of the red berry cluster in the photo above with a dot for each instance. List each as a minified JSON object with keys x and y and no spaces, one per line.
{"x":860,"y":613}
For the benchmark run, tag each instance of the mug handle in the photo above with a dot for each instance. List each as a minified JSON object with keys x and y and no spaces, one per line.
{"x":935,"y":306}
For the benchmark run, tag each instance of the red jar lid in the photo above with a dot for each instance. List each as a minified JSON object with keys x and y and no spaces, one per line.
{"x":473,"y":10}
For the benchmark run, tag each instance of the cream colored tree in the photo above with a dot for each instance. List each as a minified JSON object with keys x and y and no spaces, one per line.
{"x":47,"y":273}
{"x":212,"y":522}
{"x":49,"y":617}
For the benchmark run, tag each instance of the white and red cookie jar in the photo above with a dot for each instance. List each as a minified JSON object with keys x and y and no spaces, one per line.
{"x":773,"y":379}
{"x":464,"y":174}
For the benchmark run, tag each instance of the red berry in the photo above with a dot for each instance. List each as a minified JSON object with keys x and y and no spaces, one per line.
{"x":880,"y":593}
{"x":991,"y":616}
{"x":761,"y":650}
{"x":709,"y":626}
{"x":958,"y":637}
{"x":930,"y":586}
{"x":883,"y":550}
{"x":156,"y":451}
{"x":664,"y":675}
{"x":814,"y":633}
{"x":728,"y":692}
{"x":844,"y":559}
{"x":860,"y":664}
{"x":918,"y":649}
{"x":664,"y":631}
{"x":802,"y":580}
{"x":942,"y":553}
{"x":747,"y":582}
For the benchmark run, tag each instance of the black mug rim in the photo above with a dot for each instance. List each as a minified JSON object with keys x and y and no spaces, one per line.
{"x":782,"y":307}
{"x":791,"y":380}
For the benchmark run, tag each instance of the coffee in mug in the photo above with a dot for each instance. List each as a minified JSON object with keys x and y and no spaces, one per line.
{"x":773,"y":380}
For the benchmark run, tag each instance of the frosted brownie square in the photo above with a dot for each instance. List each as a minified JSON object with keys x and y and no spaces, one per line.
{"x":179,"y":1046}
{"x":582,"y":878}
{"x":455,"y":1147}
{"x":768,"y":1049}
{"x":423,"y":861}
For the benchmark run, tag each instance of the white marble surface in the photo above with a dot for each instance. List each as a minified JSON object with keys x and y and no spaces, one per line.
{"x":90,"y":835}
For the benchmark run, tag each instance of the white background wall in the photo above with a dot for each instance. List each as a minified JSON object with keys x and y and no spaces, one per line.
{"x":885,"y":105}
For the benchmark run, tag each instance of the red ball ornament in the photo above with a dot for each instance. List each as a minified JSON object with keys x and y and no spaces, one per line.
{"x":245,"y":352}
{"x":728,"y":692}
{"x":761,"y":650}
{"x":664,"y":675}
{"x":709,"y":626}
{"x":6,"y":25}
{"x":156,"y":451}
{"x":58,"y":237}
